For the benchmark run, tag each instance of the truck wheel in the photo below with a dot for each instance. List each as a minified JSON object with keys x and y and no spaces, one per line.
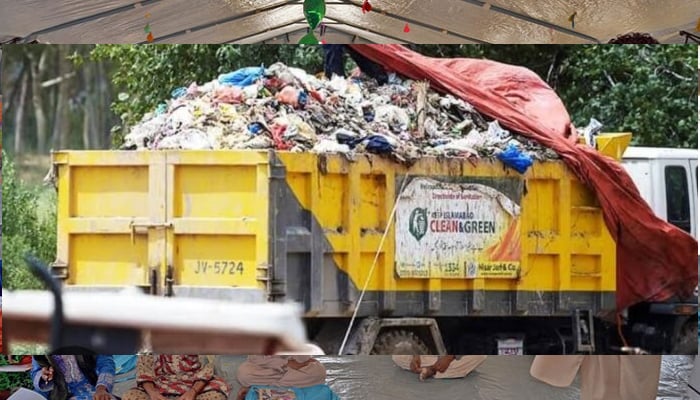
{"x":687,"y":341}
{"x":399,"y":342}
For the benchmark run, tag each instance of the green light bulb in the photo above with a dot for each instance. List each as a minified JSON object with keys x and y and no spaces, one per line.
{"x":314,"y":11}
{"x":309,"y":38}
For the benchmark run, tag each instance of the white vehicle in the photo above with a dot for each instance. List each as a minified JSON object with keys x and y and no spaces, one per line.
{"x":668,"y":181}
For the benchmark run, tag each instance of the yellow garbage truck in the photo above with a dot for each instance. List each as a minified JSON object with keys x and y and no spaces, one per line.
{"x":447,"y":255}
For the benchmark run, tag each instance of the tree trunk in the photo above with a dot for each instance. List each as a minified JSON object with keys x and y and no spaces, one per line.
{"x":88,"y":109}
{"x":86,"y":129}
{"x":19,"y":115}
{"x":62,"y":125}
{"x":100,"y":130}
{"x":38,"y":71}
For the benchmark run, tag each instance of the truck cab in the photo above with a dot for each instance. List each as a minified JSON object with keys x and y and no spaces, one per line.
{"x":668,"y":180}
{"x":665,"y":180}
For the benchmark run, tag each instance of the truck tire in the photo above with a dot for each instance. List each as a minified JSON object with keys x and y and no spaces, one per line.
{"x":687,"y":340}
{"x":400,"y":342}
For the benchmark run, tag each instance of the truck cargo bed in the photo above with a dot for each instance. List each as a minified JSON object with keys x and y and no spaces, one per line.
{"x":255,"y":226}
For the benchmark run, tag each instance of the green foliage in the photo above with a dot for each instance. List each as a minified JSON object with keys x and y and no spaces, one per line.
{"x":645,"y":89}
{"x":653,"y":91}
{"x":28,"y":348}
{"x":25,"y":231}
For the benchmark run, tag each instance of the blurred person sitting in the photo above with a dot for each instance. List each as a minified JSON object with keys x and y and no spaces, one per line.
{"x":73,"y":377}
{"x":280,"y":371}
{"x":182,"y":377}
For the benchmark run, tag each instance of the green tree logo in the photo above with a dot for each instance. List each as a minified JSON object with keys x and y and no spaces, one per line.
{"x":418,"y":223}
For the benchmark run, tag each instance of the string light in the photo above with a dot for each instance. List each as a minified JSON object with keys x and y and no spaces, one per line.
{"x":314,"y":11}
{"x":147,"y":29}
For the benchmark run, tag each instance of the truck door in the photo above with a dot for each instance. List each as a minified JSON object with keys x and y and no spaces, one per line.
{"x":678,"y":194}
{"x":217,"y":213}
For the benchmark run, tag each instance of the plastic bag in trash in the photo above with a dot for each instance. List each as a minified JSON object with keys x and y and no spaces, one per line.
{"x":178,"y":92}
{"x":591,"y":131}
{"x":242,"y":77}
{"x":378,"y":145}
{"x":161,"y":109}
{"x":515,"y":159}
{"x":255,"y":128}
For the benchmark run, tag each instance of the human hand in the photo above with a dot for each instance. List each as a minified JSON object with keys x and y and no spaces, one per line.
{"x":415,"y":364}
{"x":443,"y":363}
{"x":101,"y":394}
{"x":47,"y":374}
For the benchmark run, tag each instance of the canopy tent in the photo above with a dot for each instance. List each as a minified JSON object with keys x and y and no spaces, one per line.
{"x":282,"y":21}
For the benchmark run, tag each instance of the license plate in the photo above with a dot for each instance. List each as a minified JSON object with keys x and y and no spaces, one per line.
{"x":510,"y":348}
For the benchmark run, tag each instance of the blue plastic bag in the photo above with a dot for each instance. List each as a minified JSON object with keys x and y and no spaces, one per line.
{"x":303,"y":99}
{"x":255,"y":128}
{"x":515,"y":159}
{"x":179,"y":92}
{"x":161,"y":109}
{"x":242,"y":77}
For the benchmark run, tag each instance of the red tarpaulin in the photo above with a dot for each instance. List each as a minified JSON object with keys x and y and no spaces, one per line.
{"x":655,"y":260}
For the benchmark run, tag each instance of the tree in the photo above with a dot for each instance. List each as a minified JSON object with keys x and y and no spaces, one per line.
{"x":39,"y":65}
{"x":51,"y":103}
{"x":645,"y":89}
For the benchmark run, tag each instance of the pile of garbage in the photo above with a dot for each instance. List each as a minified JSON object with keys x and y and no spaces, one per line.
{"x":284,"y":108}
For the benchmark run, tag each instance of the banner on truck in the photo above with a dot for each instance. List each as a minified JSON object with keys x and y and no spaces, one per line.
{"x":456,"y":230}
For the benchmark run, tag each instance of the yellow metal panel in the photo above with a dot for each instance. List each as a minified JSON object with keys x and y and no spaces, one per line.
{"x":217,"y":204}
{"x":108,"y":191}
{"x":101,"y":194}
{"x":215,"y":260}
{"x":157,"y":237}
{"x":209,"y":209}
{"x":564,"y":245}
{"x":262,"y":234}
{"x":99,"y":259}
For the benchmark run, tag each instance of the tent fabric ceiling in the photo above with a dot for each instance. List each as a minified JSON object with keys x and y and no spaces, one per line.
{"x":431,"y":21}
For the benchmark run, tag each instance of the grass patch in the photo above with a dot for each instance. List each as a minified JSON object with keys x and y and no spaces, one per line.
{"x":29,"y":220}
{"x":28,"y":348}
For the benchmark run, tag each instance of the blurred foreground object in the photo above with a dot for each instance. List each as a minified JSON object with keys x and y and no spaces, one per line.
{"x":124,"y":323}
